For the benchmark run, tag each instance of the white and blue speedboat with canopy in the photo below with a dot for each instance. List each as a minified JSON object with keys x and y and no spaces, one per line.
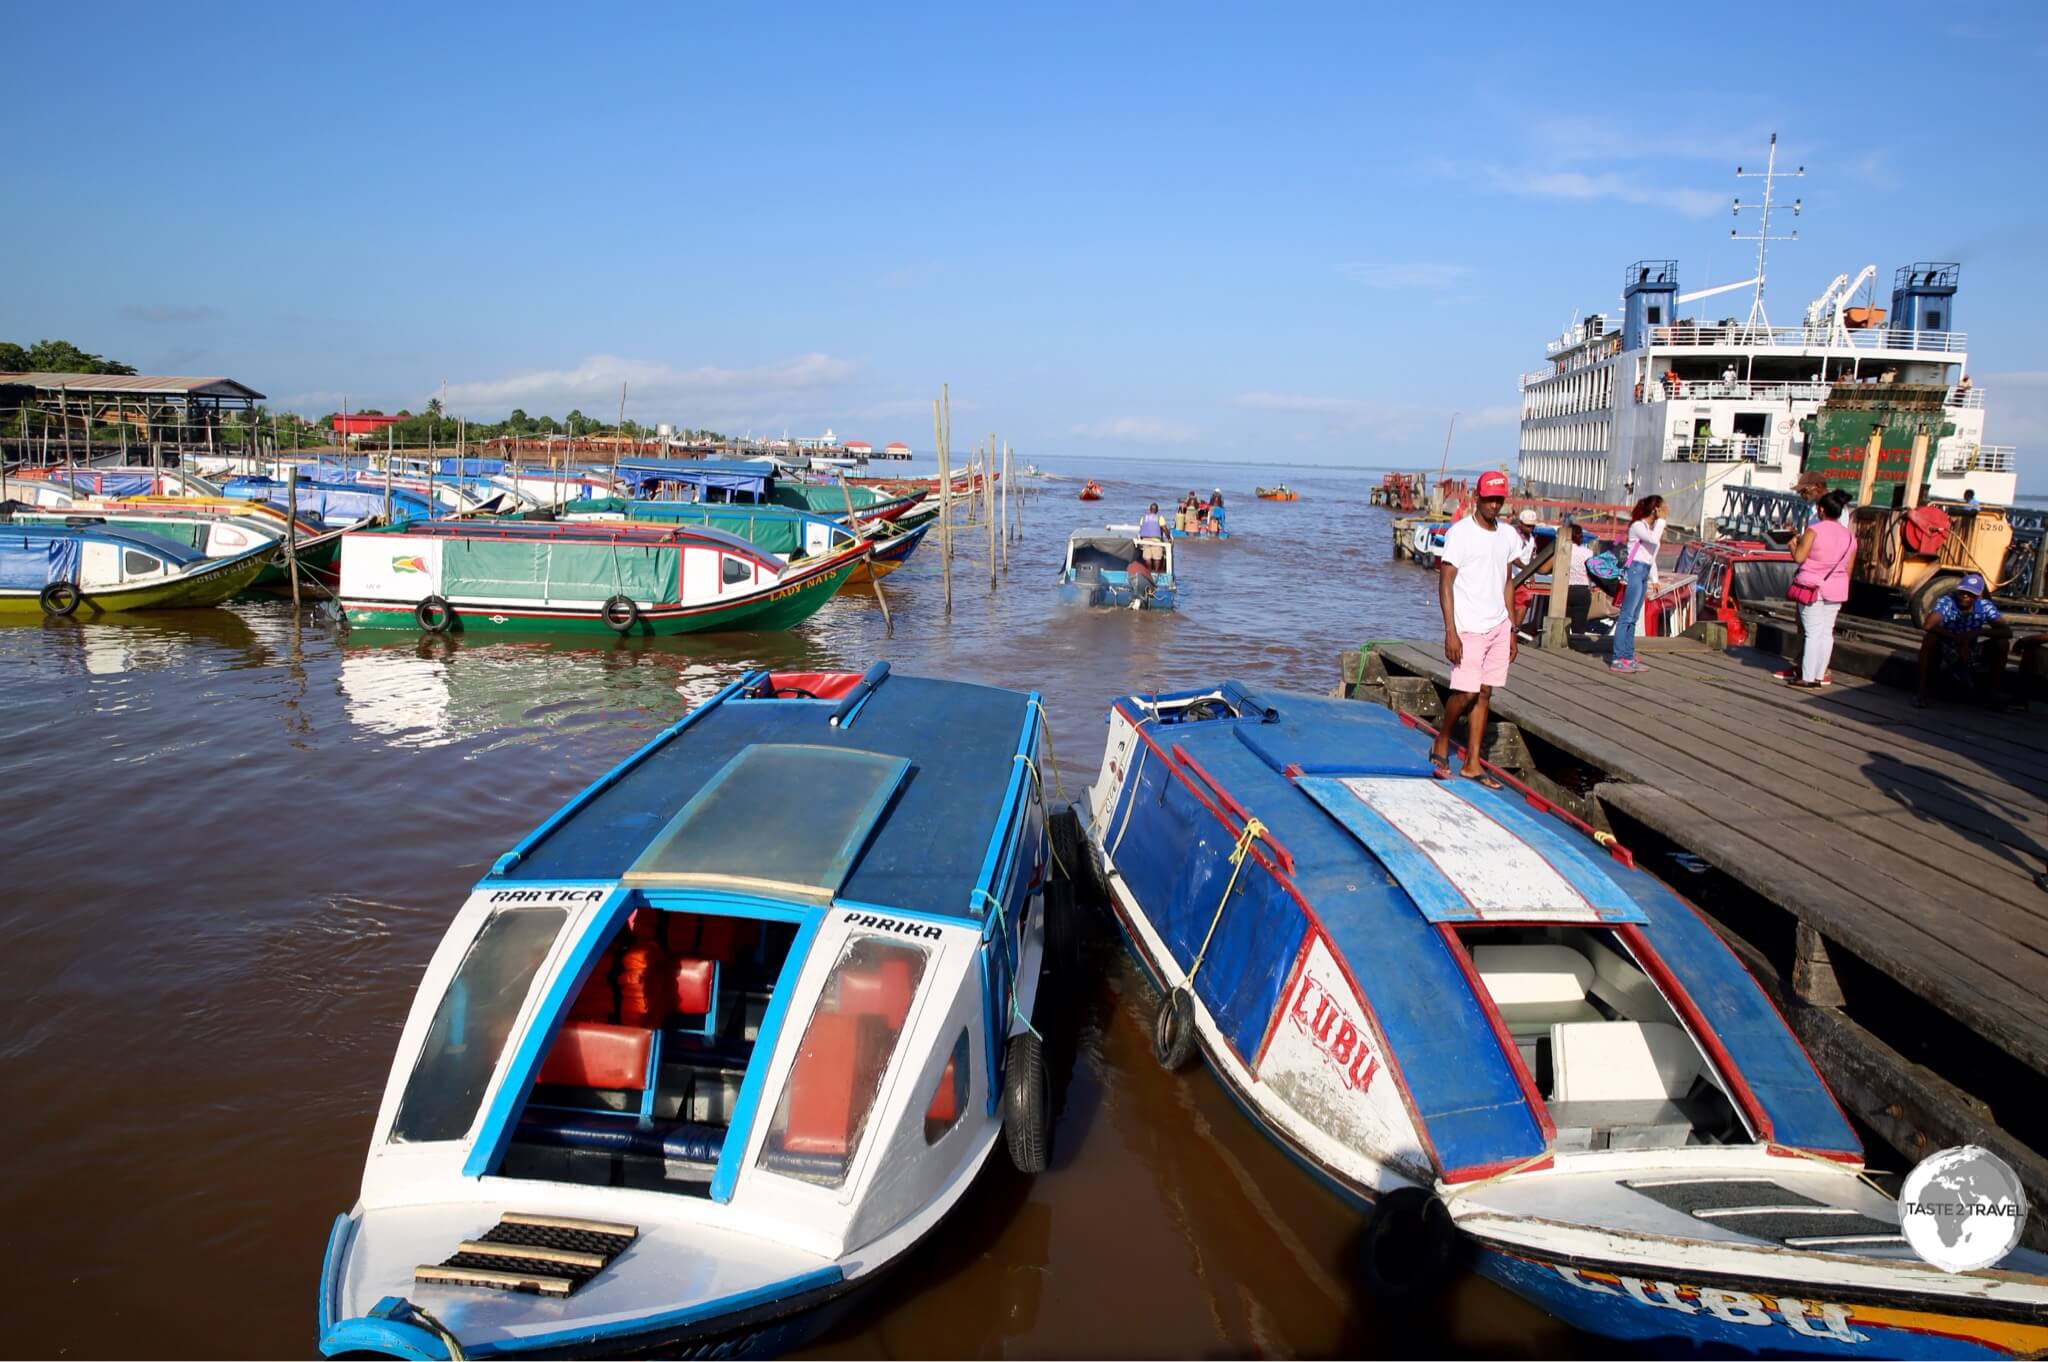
{"x":1505,"y":1041}
{"x":720,"y":1040}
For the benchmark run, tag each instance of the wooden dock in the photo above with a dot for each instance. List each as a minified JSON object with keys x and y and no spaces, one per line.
{"x":1898,"y":840}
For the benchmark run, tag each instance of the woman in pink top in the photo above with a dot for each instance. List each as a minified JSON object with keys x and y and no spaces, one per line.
{"x":1824,"y":554}
{"x":1645,"y":536}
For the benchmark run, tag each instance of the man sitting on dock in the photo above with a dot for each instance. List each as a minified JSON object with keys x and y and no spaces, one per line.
{"x":1475,"y":590}
{"x":1956,"y":626}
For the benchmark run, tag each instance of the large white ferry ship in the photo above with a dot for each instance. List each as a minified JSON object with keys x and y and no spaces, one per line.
{"x":1663,"y":400}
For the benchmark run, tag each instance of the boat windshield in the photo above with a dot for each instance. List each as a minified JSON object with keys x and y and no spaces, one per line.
{"x":1606,"y":1051}
{"x":472,"y":1023}
{"x":826,"y":798}
{"x":1763,"y":579}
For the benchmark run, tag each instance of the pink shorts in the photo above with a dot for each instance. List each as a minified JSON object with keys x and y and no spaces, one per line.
{"x":1486,"y":659}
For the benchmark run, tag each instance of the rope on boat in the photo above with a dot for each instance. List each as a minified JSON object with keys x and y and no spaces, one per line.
{"x":1052,"y":758}
{"x":1137,"y":769}
{"x":1009,"y":959}
{"x":1862,"y":1174}
{"x":1253,"y":829}
{"x":1044,"y":813}
{"x":1521,"y":1167}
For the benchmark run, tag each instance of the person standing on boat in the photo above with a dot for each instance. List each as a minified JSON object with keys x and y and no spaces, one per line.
{"x":1645,"y":537}
{"x":1475,"y":590}
{"x":1216,"y":521}
{"x":1149,"y":528}
{"x":1821,"y":586}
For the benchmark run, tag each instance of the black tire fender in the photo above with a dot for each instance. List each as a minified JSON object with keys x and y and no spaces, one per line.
{"x":1027,"y":1103}
{"x":1173,"y":1030}
{"x":434,"y":614}
{"x":620,"y":614}
{"x":59,"y":599}
{"x":1410,"y":1245}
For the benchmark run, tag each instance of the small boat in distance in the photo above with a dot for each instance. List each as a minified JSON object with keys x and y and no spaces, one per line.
{"x":83,"y":569}
{"x":1101,"y":571}
{"x":1504,"y":1042}
{"x":723,"y":1039}
{"x":445,"y":576}
{"x":1281,"y":493}
{"x":1091,"y":491}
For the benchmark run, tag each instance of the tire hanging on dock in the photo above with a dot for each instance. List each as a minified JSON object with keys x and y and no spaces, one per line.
{"x":1409,"y":1246}
{"x":434,"y":614}
{"x":1173,"y":1030}
{"x":1027,"y":1103}
{"x":59,"y":599}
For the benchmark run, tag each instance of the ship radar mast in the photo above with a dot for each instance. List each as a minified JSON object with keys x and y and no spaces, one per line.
{"x":1762,"y":236}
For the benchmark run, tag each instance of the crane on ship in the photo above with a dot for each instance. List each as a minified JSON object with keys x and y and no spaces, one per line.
{"x":1825,"y":319}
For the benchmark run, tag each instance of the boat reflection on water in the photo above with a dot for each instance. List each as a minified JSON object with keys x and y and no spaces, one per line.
{"x":437,"y":689}
{"x":145,"y":641}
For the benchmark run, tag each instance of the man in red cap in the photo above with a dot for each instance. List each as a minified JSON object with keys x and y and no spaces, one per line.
{"x":1475,"y":589}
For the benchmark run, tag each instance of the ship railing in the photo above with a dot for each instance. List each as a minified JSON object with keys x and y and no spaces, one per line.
{"x":1722,"y":389}
{"x":1737,"y":449}
{"x":1964,"y":397}
{"x":1970,"y":457}
{"x":1806,"y":338}
{"x":1531,"y":380}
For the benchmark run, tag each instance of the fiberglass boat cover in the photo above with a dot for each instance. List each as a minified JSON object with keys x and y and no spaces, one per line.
{"x":927,"y":847}
{"x":1464,"y":1090}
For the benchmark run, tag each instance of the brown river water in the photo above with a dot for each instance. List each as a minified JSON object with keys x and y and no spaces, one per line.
{"x":235,"y":839}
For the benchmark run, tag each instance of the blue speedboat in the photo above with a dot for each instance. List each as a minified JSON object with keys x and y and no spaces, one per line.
{"x":1504,"y":1042}
{"x":1099,"y":571}
{"x":719,"y":1041}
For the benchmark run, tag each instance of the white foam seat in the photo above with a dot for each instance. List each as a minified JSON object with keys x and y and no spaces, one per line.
{"x":1623,"y":987}
{"x":1620,"y":1061}
{"x":1536,"y":987}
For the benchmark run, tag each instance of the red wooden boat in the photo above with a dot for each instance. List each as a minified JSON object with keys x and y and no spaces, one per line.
{"x":1092,"y":492}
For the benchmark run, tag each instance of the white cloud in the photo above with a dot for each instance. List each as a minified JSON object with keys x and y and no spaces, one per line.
{"x":169,"y":312}
{"x":1405,"y":276}
{"x":1398,"y":421}
{"x":1138,"y":431}
{"x":1584,"y":186}
{"x":1338,"y":406}
{"x":649,"y":384}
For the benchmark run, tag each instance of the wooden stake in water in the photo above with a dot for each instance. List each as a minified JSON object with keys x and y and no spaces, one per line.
{"x":988,"y":464}
{"x":291,"y":530}
{"x":874,"y":578}
{"x":945,"y":505}
{"x":1006,"y":505}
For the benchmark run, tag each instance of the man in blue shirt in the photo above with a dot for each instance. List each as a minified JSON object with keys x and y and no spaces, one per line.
{"x":1965,"y":636}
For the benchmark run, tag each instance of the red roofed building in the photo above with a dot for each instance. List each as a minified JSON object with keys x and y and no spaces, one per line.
{"x":859,"y":448}
{"x":896,"y":449}
{"x":355,"y":427}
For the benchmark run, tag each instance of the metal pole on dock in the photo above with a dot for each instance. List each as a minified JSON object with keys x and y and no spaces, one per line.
{"x":291,"y":530}
{"x":1557,"y":624}
{"x":945,"y":506}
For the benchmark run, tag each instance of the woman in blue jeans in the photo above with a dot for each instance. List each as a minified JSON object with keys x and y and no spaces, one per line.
{"x":1645,"y":537}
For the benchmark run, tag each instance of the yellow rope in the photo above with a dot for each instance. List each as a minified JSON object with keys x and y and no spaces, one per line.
{"x":1522,"y":1167}
{"x":1252,"y":829}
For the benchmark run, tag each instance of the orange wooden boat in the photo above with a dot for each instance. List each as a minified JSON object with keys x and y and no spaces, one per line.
{"x":1092,"y":491}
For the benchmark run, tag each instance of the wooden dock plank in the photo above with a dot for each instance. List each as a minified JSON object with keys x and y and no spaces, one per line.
{"x":1684,"y":744}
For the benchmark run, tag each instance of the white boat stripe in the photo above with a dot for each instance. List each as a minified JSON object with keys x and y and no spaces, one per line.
{"x":1493,"y":870}
{"x":1815,"y":1241}
{"x":1717,"y":1212}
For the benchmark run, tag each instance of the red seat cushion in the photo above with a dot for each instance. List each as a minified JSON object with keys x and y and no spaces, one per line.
{"x":596,"y":1055}
{"x":693,"y":986}
{"x":821,"y":1087}
{"x":945,"y":1105}
{"x":880,"y":992}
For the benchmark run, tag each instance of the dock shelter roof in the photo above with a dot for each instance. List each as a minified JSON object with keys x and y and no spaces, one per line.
{"x":751,"y":476}
{"x":133,"y":385}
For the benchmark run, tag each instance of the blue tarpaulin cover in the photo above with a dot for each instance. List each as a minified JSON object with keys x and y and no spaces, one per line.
{"x":729,"y":475}
{"x":30,"y":562}
{"x":330,"y":504}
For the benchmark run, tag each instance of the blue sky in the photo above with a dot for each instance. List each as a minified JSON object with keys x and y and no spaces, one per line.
{"x":1187,"y":231}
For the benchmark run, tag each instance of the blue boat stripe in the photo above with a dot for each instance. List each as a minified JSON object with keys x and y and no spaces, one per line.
{"x":495,"y":1134}
{"x":504,"y":864}
{"x":338,"y":1236}
{"x":747,"y":1104}
{"x":1424,"y":881}
{"x":1546,"y":836}
{"x":626,"y":1328}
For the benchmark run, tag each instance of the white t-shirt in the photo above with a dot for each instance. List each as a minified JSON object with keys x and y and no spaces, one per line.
{"x":1482,"y":558}
{"x":1581,"y":555}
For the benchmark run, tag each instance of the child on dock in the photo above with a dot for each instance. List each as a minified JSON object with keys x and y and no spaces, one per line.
{"x":1476,"y":592}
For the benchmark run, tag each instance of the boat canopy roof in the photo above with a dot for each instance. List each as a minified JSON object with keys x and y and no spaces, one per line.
{"x":39,"y":537}
{"x":578,"y":532}
{"x":730,"y":475}
{"x":1319,"y":773}
{"x":896,"y":806}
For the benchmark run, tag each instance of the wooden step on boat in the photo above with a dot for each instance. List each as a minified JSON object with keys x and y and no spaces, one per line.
{"x":1505,"y":1042}
{"x":683,"y":1079}
{"x":85,"y":570}
{"x":578,"y":577}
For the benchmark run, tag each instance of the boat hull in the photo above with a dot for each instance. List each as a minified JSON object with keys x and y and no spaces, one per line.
{"x":210,"y":585}
{"x":787,"y":605}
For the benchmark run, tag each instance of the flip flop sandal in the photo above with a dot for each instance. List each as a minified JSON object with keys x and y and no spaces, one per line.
{"x":1440,"y":766}
{"x":1485,"y":780}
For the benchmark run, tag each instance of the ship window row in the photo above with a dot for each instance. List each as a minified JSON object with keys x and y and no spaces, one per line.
{"x":1576,"y":435}
{"x":1570,"y":475}
{"x":1586,"y":390}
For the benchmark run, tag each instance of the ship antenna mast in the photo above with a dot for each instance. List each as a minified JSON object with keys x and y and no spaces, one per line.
{"x":1762,"y":236}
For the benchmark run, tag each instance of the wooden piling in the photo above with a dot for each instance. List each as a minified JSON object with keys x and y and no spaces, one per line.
{"x":1870,"y":455}
{"x":1917,"y":469}
{"x":1557,"y":624}
{"x":874,"y":578}
{"x":291,"y":530}
{"x":945,"y":506}
{"x":1006,"y":505}
{"x":988,"y":466}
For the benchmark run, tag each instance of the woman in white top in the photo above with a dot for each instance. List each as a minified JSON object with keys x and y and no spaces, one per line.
{"x":1645,"y":537}
{"x":1578,"y":592}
